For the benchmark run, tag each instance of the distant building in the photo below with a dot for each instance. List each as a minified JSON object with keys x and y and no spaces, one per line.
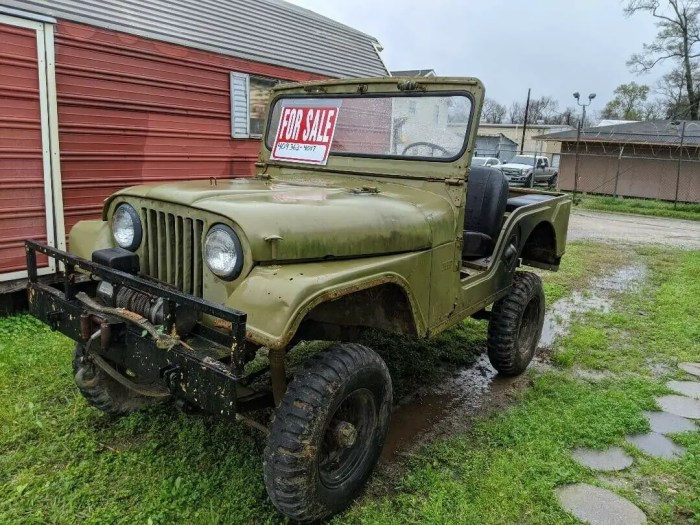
{"x":414,"y":73}
{"x":495,"y":145}
{"x":504,"y":136}
{"x":637,"y":159}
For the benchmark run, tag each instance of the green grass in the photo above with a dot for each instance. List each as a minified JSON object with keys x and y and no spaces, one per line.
{"x":62,"y":462}
{"x":582,"y":261}
{"x":655,"y":208}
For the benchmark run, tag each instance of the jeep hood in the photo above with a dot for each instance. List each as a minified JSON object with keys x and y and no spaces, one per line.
{"x":313,"y":219}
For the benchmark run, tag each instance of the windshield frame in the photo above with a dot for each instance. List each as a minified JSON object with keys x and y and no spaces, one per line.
{"x":409,"y":94}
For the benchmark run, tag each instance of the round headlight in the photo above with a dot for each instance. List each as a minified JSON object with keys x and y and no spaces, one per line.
{"x":223,"y":252}
{"x":126,"y":227}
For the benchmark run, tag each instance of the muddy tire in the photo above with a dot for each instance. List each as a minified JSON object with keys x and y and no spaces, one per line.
{"x":516,"y":325}
{"x":328,"y":433}
{"x":100,"y":390}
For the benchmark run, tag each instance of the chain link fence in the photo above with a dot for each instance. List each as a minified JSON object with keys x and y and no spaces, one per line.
{"x":661,"y":162}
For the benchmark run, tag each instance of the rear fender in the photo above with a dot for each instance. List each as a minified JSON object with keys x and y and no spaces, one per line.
{"x":278,"y":298}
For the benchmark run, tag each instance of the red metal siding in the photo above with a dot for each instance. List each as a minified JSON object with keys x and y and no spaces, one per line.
{"x":134,"y":111}
{"x":22,"y":205}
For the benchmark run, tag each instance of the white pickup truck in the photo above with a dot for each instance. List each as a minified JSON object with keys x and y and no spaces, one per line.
{"x":528,"y":169}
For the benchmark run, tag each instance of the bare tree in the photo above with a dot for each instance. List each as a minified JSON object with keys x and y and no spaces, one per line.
{"x":678,"y":40}
{"x":493,"y":112}
{"x":543,"y":110}
{"x":516,"y":113}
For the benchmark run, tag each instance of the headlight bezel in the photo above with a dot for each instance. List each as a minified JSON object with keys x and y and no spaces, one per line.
{"x":237,"y":267}
{"x":137,"y":225}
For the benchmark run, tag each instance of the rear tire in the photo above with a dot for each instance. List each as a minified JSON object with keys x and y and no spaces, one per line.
{"x":328,"y":433}
{"x":516,"y":325}
{"x":102,"y":391}
{"x":553,"y":180}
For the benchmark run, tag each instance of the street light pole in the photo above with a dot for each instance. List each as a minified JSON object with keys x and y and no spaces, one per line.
{"x":577,"y":96}
{"x":680,"y":162}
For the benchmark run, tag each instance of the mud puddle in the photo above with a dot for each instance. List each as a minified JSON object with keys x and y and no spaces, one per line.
{"x":597,"y":298}
{"x":449,"y":408}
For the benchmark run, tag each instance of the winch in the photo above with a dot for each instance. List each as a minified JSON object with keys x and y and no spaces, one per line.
{"x":146,"y":305}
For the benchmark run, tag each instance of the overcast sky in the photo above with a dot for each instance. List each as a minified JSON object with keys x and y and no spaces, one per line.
{"x":555,"y":47}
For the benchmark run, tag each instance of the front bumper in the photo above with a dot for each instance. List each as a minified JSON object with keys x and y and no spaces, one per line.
{"x":202,"y":369}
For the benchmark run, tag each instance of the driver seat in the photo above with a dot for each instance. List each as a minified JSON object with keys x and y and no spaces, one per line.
{"x":487,"y":196}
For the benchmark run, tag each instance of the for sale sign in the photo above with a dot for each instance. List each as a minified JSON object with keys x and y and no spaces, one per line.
{"x":305,"y":134}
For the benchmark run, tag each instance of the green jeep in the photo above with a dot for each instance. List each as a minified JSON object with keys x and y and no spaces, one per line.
{"x":362,"y":215}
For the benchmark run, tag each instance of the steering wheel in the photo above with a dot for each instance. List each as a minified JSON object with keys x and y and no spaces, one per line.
{"x":433,"y":148}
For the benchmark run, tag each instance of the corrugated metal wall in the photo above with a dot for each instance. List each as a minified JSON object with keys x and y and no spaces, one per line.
{"x":22,"y":204}
{"x":135,"y":111}
{"x":646,"y":177}
{"x":269,"y":31}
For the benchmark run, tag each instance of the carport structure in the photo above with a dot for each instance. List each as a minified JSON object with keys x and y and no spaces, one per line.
{"x":658,"y":159}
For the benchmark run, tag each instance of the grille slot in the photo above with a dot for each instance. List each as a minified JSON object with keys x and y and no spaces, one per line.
{"x":173,"y":250}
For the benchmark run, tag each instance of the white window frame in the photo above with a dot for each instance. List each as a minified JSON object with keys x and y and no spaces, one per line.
{"x":240,"y":129}
{"x":53,"y":194}
{"x":240,"y":125}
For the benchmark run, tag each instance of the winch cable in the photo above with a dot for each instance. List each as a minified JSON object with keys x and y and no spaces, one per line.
{"x":163,"y":341}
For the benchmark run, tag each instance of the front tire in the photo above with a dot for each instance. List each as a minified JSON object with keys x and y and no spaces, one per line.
{"x":516,"y":325}
{"x":328,"y":433}
{"x":102,"y":391}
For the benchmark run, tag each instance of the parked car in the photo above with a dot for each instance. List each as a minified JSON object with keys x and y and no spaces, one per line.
{"x":528,"y":169}
{"x":485,"y":161}
{"x":176,"y":289}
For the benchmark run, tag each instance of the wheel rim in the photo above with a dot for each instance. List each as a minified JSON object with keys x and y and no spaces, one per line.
{"x":338,"y":462}
{"x":527,"y":332}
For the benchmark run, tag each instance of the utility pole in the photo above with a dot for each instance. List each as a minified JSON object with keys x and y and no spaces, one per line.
{"x":680,"y":160}
{"x":577,"y":96}
{"x":527,"y":114}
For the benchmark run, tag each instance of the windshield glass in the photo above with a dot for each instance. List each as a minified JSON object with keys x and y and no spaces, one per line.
{"x":521,"y":159}
{"x":478,"y":161}
{"x":428,"y":126}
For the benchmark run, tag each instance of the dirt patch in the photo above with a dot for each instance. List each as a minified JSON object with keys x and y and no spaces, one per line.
{"x":633,"y":229}
{"x":448,"y":409}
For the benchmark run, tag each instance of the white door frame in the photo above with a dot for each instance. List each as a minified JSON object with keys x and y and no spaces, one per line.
{"x":53,"y":194}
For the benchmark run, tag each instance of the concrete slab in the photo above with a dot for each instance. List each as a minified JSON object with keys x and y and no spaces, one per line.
{"x":598,"y":506}
{"x":691,"y":368}
{"x":685,"y":388}
{"x":608,"y":460}
{"x":665,"y":423}
{"x":656,"y":445}
{"x":680,"y":406}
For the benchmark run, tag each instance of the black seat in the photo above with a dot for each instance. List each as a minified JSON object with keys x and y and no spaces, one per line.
{"x":524,"y":200}
{"x":487,"y":194}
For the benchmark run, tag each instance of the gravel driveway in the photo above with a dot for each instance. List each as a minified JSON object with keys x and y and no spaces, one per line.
{"x":633,"y":229}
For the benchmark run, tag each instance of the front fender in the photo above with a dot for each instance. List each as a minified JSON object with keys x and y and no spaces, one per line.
{"x":277,"y":298}
{"x":87,"y":236}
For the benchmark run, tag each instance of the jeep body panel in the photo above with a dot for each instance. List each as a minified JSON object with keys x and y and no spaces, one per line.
{"x":322,"y":234}
{"x":298,"y":212}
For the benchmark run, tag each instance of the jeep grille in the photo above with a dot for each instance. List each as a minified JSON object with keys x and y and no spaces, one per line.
{"x":173,"y":250}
